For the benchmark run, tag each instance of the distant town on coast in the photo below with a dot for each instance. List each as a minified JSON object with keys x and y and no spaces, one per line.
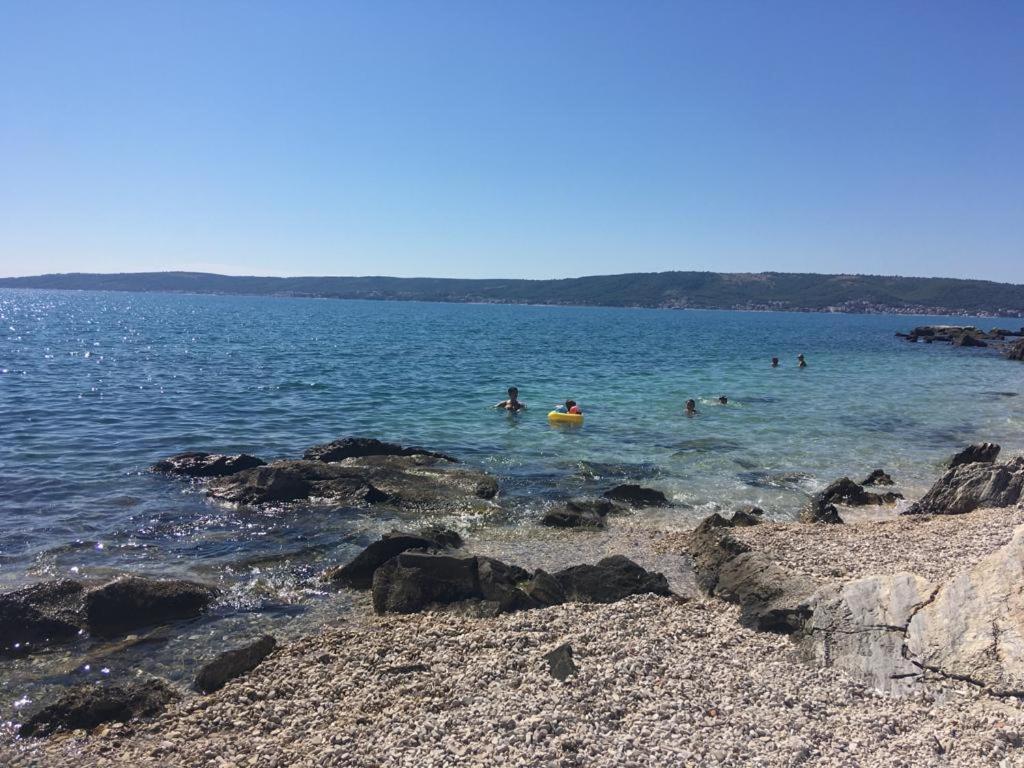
{"x":762,"y":291}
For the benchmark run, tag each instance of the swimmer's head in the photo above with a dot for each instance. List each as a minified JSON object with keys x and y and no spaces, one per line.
{"x":513,"y":392}
{"x":723,"y":399}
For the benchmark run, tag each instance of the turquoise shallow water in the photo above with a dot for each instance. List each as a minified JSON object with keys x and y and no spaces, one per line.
{"x":94,"y":387}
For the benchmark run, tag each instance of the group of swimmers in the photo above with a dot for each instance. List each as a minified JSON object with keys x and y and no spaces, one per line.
{"x":513,"y":404}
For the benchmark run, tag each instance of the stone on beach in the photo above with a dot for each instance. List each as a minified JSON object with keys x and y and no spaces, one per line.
{"x":877,"y":477}
{"x":134,"y":601}
{"x":611,"y":579}
{"x":967,"y":487}
{"x":200,"y":464}
{"x":230,"y":664}
{"x":560,"y":662}
{"x":580,"y":513}
{"x":358,"y":573}
{"x":89,"y":705}
{"x":979,"y":452}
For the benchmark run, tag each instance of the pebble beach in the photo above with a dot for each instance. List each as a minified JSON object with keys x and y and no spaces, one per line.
{"x":660,"y":681}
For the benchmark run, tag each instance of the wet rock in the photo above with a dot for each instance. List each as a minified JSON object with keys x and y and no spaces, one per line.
{"x":969,"y":340}
{"x":358,"y":573}
{"x":580,"y":513}
{"x":821,"y":508}
{"x":610,"y":580}
{"x":500,"y":585}
{"x":89,"y":705}
{"x":1016,"y":352}
{"x":637,"y":496}
{"x":877,"y":477}
{"x":412,"y":581}
{"x":543,"y":590}
{"x":198,"y":464}
{"x":714,"y":520}
{"x":560,"y":663}
{"x":762,"y":479}
{"x":287,"y":481}
{"x":359,"y":447}
{"x":443,"y":537}
{"x":967,"y":487}
{"x":771,"y":597}
{"x":133,"y":602}
{"x":423,"y":482}
{"x":35,"y":617}
{"x":740,"y":518}
{"x":818,"y":512}
{"x":977,"y":453}
{"x":231,"y":664}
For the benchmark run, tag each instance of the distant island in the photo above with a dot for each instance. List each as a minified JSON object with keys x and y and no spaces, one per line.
{"x":762,"y":291}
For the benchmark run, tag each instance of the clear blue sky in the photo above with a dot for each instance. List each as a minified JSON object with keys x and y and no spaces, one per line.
{"x":530,"y":139}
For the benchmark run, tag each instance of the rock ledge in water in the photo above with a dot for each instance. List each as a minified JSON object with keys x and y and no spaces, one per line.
{"x":199,"y":464}
{"x":358,"y":573}
{"x":637,"y":496}
{"x":41,"y":615}
{"x":359,"y":447}
{"x":134,"y":601}
{"x":967,"y":487}
{"x":231,"y":664}
{"x":89,"y":705}
{"x":973,"y":454}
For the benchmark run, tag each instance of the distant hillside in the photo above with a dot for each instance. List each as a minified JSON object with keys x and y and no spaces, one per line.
{"x":703,"y":290}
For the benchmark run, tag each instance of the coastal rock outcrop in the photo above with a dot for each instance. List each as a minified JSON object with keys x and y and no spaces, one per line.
{"x":89,"y":705}
{"x":230,"y":664}
{"x":771,"y":597}
{"x":637,"y":496}
{"x":822,"y":506}
{"x":985,"y":453}
{"x":133,"y":602}
{"x":358,"y":573}
{"x":1016,"y":352}
{"x":967,"y":487}
{"x":744,"y":517}
{"x":415,"y":580}
{"x":41,"y":615}
{"x":877,"y":477}
{"x":415,"y":481}
{"x":199,"y":464}
{"x":359,"y":447}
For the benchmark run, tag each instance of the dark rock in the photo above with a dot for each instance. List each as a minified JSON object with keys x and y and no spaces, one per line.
{"x":979,"y":452}
{"x":1016,"y":352}
{"x":231,"y":664}
{"x":746,"y":516}
{"x":612,"y":579}
{"x":771,"y":598}
{"x":443,"y":537}
{"x":543,"y":590}
{"x":580,"y":513}
{"x":358,"y":447}
{"x":133,"y":602}
{"x":285,"y":481}
{"x":198,"y":464}
{"x":405,"y":669}
{"x":89,"y":705}
{"x":967,"y":487}
{"x":358,"y":573}
{"x":821,"y":508}
{"x":637,"y":496}
{"x":412,"y":581}
{"x":877,"y":477}
{"x":500,"y":585}
{"x":969,"y":340}
{"x":560,"y":663}
{"x":818,"y":512}
{"x":41,"y":615}
{"x":714,"y":520}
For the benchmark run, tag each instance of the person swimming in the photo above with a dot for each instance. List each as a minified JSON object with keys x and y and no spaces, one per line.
{"x":775,"y":362}
{"x":691,"y":407}
{"x":801,"y":363}
{"x":723,"y":400}
{"x":513,"y":404}
{"x":569,"y":407}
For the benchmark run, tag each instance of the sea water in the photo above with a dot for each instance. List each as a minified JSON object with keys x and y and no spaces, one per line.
{"x":95,"y":387}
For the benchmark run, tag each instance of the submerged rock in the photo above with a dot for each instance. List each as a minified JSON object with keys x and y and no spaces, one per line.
{"x":637,"y":496}
{"x":89,"y":705}
{"x":822,"y":509}
{"x":133,"y":602}
{"x":967,"y":487}
{"x":977,"y":453}
{"x":580,"y":513}
{"x":199,"y":464}
{"x":358,"y":573}
{"x":416,"y":481}
{"x":231,"y":664}
{"x":358,"y":447}
{"x":877,"y":477}
{"x":35,"y":617}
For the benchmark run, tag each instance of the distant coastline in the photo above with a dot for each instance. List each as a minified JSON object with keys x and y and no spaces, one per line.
{"x":765,"y":291}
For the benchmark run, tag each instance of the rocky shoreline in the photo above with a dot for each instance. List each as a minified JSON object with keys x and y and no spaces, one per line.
{"x":828,"y":641}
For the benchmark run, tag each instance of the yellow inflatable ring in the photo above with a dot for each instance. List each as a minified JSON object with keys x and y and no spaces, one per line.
{"x":565,"y":418}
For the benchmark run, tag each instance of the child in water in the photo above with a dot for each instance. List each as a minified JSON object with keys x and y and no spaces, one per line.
{"x":691,"y":407}
{"x":569,"y":407}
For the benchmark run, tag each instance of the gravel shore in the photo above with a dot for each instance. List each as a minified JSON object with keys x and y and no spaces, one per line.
{"x":661,"y":682}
